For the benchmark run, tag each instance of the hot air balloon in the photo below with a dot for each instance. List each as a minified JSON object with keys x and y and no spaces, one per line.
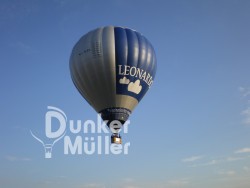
{"x":112,"y":68}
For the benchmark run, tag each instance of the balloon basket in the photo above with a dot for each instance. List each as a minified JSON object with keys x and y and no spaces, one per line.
{"x":116,"y":139}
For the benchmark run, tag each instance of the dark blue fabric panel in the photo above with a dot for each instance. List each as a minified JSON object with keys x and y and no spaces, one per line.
{"x":132,"y":42}
{"x":121,"y":46}
{"x":135,"y":62}
{"x":121,"y":55}
{"x":143,"y":50}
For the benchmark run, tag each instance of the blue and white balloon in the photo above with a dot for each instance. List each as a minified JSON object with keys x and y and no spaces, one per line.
{"x":113,"y":68}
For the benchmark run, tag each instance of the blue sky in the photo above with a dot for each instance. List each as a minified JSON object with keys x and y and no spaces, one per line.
{"x":191,"y":130}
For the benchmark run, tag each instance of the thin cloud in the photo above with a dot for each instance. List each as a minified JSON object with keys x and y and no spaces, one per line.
{"x":192,"y":159}
{"x":246,"y":169}
{"x":243,"y":150}
{"x":23,"y":48}
{"x":246,"y":114}
{"x":128,"y":180}
{"x":230,"y":159}
{"x":14,"y":158}
{"x":178,"y":183}
{"x":129,"y":183}
{"x":213,"y":162}
{"x":130,"y":186}
{"x":227,"y":173}
{"x":224,"y":159}
{"x":245,"y":91}
{"x":93,"y":185}
{"x":210,"y":163}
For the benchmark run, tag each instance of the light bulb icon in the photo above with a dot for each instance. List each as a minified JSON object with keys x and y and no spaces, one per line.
{"x":59,"y":115}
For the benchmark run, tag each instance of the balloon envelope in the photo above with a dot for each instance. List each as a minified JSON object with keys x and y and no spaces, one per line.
{"x":113,"y":68}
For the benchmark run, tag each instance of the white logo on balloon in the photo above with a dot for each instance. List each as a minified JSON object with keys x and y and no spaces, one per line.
{"x":134,"y":87}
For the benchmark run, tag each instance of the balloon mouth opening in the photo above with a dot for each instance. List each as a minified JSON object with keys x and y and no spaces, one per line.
{"x":112,"y":114}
